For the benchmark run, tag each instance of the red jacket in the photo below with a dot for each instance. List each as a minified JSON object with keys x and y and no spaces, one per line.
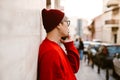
{"x":55,"y":64}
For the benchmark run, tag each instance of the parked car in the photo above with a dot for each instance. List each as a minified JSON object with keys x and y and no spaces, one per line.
{"x":90,"y":45}
{"x":116,"y":63}
{"x":86,"y":45}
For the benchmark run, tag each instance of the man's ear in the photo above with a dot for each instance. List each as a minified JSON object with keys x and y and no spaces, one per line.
{"x":59,"y":25}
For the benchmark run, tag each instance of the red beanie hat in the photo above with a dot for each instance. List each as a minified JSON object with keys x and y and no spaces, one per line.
{"x":51,"y":18}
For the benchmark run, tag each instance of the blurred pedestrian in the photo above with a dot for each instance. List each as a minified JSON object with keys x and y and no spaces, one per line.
{"x":53,"y":62}
{"x":81,"y":48}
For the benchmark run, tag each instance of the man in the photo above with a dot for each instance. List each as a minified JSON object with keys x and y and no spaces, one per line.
{"x":53,"y":62}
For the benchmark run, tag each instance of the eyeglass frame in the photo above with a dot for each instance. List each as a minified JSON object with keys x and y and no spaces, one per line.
{"x":68,"y":22}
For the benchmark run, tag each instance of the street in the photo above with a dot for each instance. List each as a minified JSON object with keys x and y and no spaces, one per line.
{"x":87,"y":73}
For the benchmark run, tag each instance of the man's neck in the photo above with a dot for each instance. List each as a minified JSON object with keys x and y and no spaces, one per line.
{"x":53,"y":37}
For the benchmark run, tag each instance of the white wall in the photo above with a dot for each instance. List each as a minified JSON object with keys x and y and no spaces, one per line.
{"x":19,"y":38}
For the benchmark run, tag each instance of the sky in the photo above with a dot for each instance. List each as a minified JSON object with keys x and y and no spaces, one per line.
{"x":87,"y":9}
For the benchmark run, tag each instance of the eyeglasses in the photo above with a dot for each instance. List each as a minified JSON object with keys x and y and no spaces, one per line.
{"x":68,"y":22}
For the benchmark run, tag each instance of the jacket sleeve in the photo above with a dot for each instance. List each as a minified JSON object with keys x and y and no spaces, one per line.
{"x":73,"y":56}
{"x":51,"y":67}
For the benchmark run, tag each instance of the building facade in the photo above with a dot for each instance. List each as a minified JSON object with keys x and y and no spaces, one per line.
{"x":107,"y":25}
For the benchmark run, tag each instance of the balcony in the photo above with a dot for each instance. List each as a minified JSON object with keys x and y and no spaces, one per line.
{"x":113,"y":3}
{"x":112,"y":21}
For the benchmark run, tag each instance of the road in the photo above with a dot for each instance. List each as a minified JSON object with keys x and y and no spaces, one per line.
{"x":87,"y":73}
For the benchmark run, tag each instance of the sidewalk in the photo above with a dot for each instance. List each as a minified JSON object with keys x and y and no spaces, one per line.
{"x":87,"y":73}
